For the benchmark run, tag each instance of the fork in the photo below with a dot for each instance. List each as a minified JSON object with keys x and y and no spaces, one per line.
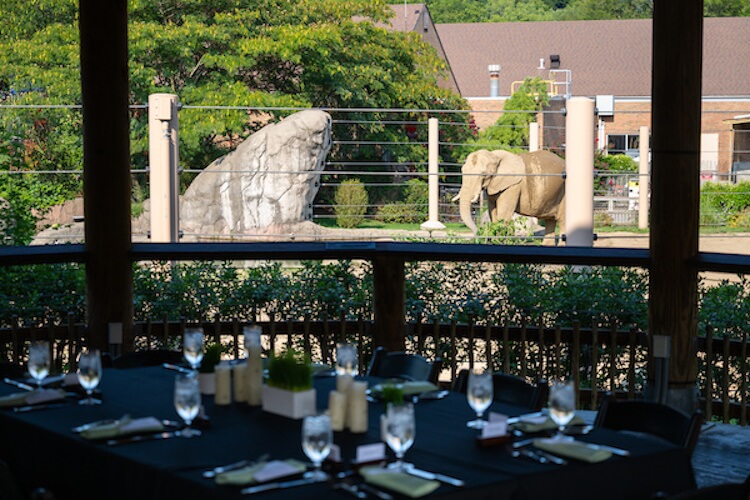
{"x":234,"y":466}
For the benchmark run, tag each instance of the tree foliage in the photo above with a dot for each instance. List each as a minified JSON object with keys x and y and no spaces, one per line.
{"x":233,"y":53}
{"x":475,"y":11}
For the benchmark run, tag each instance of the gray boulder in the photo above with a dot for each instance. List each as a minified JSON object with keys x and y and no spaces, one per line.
{"x":268,"y":182}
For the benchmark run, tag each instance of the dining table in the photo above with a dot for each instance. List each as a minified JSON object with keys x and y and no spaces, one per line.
{"x":41,"y":450}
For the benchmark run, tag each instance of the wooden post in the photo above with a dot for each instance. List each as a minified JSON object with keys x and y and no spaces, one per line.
{"x":675,"y":189}
{"x":390,"y":302}
{"x":106,"y":169}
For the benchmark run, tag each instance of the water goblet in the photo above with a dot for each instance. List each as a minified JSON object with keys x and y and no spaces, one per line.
{"x":400,"y":430}
{"x":346,"y":359}
{"x":187,"y":401}
{"x":39,"y":361}
{"x":89,"y":374}
{"x":317,"y":438}
{"x":192,"y":346}
{"x":479,"y":394}
{"x":562,"y":400}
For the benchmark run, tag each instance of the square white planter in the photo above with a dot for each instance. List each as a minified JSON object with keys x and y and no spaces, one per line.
{"x":288,"y":403}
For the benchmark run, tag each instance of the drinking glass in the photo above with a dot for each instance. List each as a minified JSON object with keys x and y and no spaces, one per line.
{"x":187,"y":401}
{"x":89,"y":374}
{"x":317,"y":438}
{"x":400,"y":430}
{"x":346,"y":359}
{"x":479,"y":394}
{"x":192,"y":346}
{"x":39,"y":361}
{"x":562,"y":400}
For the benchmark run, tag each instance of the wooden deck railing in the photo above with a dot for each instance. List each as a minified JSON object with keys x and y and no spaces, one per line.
{"x":600,"y":359}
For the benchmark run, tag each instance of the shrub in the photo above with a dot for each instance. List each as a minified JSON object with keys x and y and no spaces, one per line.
{"x":350,"y":203}
{"x":413,"y":209}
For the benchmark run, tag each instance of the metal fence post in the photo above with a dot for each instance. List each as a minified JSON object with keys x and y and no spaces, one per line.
{"x":643,"y":178}
{"x":433,"y":172}
{"x":533,"y":137}
{"x":579,"y":170}
{"x":163,"y":167}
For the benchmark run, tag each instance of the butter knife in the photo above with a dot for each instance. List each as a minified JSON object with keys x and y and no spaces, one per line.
{"x":24,"y":409}
{"x":278,"y":486}
{"x":20,"y":385}
{"x":433,"y":476}
{"x":143,"y":437}
{"x":374,"y":491}
{"x":515,"y":420}
{"x":176,"y":368}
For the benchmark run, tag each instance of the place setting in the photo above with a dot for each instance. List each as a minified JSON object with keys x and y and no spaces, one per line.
{"x":54,"y":391}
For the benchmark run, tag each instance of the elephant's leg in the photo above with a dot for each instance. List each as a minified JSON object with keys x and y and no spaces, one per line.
{"x":492,"y":207}
{"x":506,"y":202}
{"x":549,"y":233}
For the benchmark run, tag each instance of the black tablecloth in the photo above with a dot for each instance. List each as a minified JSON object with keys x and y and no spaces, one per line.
{"x":41,"y":449}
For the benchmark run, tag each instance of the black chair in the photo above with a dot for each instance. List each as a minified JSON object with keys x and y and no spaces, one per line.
{"x":654,"y":419}
{"x":152,"y":357}
{"x":12,"y":370}
{"x":405,"y":366}
{"x":511,"y":389}
{"x":9,"y":488}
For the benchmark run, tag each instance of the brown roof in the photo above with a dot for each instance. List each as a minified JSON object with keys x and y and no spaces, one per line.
{"x":605,"y":57}
{"x":405,"y":16}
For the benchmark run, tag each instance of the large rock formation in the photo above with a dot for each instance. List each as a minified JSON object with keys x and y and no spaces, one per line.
{"x":266,"y":184}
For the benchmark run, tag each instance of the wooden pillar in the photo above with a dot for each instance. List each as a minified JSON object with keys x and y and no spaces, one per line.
{"x":389,"y":298}
{"x":675,"y":188}
{"x":106,"y":168}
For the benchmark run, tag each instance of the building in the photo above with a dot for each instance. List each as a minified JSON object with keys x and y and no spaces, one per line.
{"x":609,"y":61}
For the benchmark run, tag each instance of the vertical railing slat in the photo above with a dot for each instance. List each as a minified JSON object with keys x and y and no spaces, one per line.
{"x":575,"y":360}
{"x":594,"y":365}
{"x":725,"y":380}
{"x":709,"y":373}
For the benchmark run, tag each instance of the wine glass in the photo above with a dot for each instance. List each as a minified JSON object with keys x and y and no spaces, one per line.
{"x":562,"y":400}
{"x":192,"y":346}
{"x":346,"y":359}
{"x":479,"y":394}
{"x":39,"y":361}
{"x":187,"y":401}
{"x":89,"y":374}
{"x":317,"y":438}
{"x":400,"y":430}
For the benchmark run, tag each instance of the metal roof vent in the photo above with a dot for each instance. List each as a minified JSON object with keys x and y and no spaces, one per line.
{"x":554,"y":61}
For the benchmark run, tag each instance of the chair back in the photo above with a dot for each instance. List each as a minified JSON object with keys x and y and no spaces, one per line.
{"x":152,"y":357}
{"x":726,"y":491}
{"x":511,"y":389}
{"x":651,"y":418}
{"x":405,"y":366}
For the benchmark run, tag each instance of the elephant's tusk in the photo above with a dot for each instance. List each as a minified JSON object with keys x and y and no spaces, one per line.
{"x":456,"y":198}
{"x":475,"y":199}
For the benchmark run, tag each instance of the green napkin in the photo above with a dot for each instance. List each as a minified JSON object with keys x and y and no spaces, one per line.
{"x":541,"y":424}
{"x":399,"y":482}
{"x":31,"y":398}
{"x":572,"y":449}
{"x":246,"y":475}
{"x":123,"y":427}
{"x":410,"y":388}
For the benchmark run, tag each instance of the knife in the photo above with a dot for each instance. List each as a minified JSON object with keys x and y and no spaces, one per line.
{"x":433,"y":476}
{"x":176,"y":368}
{"x":20,"y":385}
{"x":515,"y":420}
{"x":374,"y":491}
{"x":143,"y":437}
{"x":278,"y":486}
{"x":24,"y":409}
{"x":611,"y":449}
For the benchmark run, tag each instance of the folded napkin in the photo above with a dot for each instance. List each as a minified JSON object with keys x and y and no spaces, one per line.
{"x":123,"y":427}
{"x":410,"y":388}
{"x":541,"y":423}
{"x":261,"y":472}
{"x":400,"y":482}
{"x":572,"y":449}
{"x":31,"y":398}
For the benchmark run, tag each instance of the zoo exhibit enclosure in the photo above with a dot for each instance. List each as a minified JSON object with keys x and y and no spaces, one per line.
{"x":381,"y":169}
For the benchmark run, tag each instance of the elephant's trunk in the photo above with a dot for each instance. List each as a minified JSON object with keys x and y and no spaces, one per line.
{"x":465,"y":211}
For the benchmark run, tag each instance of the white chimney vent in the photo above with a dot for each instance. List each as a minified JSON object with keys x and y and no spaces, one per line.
{"x":541,"y":63}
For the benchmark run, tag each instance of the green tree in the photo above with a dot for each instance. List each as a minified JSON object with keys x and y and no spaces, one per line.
{"x":237,"y":53}
{"x":607,"y":9}
{"x":512,"y":128}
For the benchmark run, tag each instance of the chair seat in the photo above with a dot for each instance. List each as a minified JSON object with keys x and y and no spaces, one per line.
{"x":511,"y":389}
{"x":403,"y":366}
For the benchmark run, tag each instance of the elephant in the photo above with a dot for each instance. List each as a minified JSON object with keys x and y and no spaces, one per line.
{"x":515,"y":183}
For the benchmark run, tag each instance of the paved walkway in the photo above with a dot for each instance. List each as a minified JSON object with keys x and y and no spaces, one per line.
{"x":722,"y":454}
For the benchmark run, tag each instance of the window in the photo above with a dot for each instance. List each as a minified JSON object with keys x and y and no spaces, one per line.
{"x":623,"y":144}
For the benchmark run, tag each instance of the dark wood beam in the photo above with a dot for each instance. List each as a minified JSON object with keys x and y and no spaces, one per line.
{"x":675,"y":189}
{"x":106,"y":167}
{"x":389,"y":298}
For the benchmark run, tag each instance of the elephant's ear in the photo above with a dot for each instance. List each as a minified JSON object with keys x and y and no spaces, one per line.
{"x":511,"y":168}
